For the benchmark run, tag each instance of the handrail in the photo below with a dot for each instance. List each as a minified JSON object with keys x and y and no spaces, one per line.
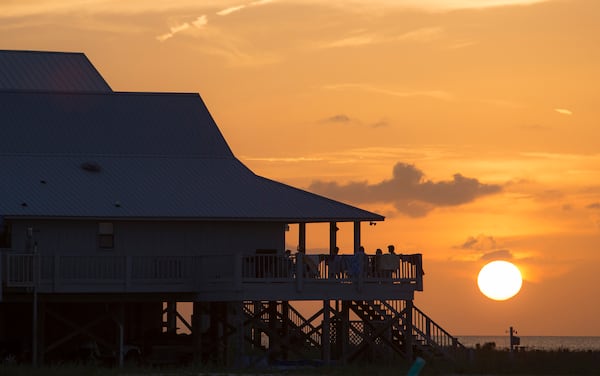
{"x":432,"y":333}
{"x":194,"y":271}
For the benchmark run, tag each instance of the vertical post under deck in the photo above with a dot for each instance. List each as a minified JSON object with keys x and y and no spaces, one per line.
{"x":325,"y":335}
{"x":197,"y":330}
{"x":172,"y":317}
{"x":345,"y":332}
{"x":120,"y":334}
{"x":285,"y":313}
{"x":408,"y":334}
{"x":41,"y":330}
{"x":239,"y":330}
{"x":34,"y":313}
{"x":273,"y":338}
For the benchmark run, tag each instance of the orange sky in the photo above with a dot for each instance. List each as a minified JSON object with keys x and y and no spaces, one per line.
{"x":472,"y":125}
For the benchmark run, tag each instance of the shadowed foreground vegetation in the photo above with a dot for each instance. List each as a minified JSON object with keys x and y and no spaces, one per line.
{"x":470,"y":362}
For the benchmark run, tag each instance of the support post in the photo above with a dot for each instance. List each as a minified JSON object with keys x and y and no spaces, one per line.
{"x":1,"y":276}
{"x":302,"y":237}
{"x":285,"y":330}
{"x":171,"y":316}
{"x":333,"y":229}
{"x":120,"y":318}
{"x":325,"y":335}
{"x":345,"y":332}
{"x":356,"y":236}
{"x":408,"y":331}
{"x":34,"y":314}
{"x":239,"y":328}
{"x":42,"y":330}
{"x":274,"y":343}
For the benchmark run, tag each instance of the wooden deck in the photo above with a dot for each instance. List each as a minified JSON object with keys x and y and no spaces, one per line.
{"x":223,"y":277}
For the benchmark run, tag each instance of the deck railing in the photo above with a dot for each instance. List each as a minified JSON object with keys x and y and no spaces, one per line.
{"x":19,"y":269}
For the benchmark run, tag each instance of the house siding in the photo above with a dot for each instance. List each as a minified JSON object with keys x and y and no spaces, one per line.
{"x":149,"y":238}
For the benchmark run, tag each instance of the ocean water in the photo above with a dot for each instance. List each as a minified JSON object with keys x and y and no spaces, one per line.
{"x":536,"y":342}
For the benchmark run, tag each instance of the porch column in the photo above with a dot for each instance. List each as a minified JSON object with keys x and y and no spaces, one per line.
{"x":332,"y":236}
{"x":356,"y":236}
{"x":302,"y":237}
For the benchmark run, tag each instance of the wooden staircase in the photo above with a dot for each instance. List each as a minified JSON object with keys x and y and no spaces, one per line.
{"x":383,"y":328}
{"x":424,"y":337}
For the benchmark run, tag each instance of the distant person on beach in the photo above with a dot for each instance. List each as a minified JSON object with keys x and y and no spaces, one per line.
{"x":391,"y":249}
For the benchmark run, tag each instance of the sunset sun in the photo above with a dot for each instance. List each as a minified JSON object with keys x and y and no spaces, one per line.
{"x":499,"y":280}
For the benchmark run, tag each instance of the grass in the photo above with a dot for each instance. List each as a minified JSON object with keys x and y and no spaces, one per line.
{"x":471,"y":362}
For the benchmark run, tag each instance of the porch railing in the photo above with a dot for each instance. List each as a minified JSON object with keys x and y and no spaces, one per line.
{"x":18,"y":269}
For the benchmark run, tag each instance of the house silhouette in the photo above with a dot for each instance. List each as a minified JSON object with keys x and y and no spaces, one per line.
{"x":117,"y":206}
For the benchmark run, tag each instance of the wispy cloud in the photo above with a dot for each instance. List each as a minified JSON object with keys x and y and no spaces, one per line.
{"x":362,"y":38}
{"x":230,"y":10}
{"x":437,"y":94}
{"x":563,"y":111}
{"x":237,"y":8}
{"x":426,"y":34}
{"x":197,"y":23}
{"x":340,"y":118}
{"x":26,"y":8}
{"x":482,"y":247}
{"x":409,"y":191}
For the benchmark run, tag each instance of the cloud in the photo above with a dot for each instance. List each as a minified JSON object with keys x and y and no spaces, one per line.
{"x":483,"y":247}
{"x":480,"y":242}
{"x":200,"y":21}
{"x":340,"y":118}
{"x":563,"y":111}
{"x":380,"y":124}
{"x":233,"y":9}
{"x":24,"y":8}
{"x":197,"y":23}
{"x":501,"y":254}
{"x":594,"y":205}
{"x":437,"y":94}
{"x":353,"y":41}
{"x":409,"y":191}
{"x":237,"y":8}
{"x":426,"y":34}
{"x":362,"y":38}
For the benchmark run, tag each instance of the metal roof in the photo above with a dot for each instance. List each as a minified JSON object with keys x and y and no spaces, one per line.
{"x":152,"y":124}
{"x":136,"y":155}
{"x":49,"y":71}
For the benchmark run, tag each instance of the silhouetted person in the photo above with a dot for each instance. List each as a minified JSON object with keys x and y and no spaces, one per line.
{"x":391,"y":249}
{"x":334,"y":263}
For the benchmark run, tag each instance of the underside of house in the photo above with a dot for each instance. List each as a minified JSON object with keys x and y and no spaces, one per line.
{"x":129,"y":231}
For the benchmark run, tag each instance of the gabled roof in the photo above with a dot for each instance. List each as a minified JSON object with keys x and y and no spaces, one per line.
{"x":49,"y":71}
{"x":136,"y":155}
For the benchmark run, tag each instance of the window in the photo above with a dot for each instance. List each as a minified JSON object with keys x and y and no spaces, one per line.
{"x":106,"y":236}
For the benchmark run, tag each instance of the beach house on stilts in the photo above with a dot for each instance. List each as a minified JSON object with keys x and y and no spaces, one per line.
{"x":116,"y":208}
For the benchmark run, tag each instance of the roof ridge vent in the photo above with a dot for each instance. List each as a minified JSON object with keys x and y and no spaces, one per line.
{"x":91,"y":166}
